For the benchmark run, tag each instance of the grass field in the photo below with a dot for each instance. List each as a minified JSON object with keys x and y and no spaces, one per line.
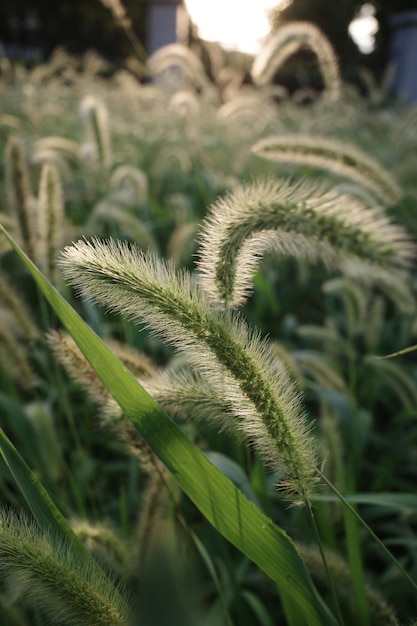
{"x":200,"y":274}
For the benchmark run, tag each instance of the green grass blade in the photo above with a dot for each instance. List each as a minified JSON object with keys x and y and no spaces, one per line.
{"x":356,"y":566}
{"x":370,"y":531}
{"x":398,"y":353}
{"x":230,"y":512}
{"x":406,"y":502}
{"x":46,"y":513}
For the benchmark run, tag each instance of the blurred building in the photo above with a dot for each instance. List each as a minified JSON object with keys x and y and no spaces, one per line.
{"x":403,"y":54}
{"x":167,"y":22}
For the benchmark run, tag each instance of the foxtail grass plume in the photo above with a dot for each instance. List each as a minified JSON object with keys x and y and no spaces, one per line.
{"x":334,"y":156}
{"x":381,"y":613}
{"x":103,"y":542}
{"x":68,"y":354}
{"x":355,"y":300}
{"x":314,"y":365}
{"x":332,"y":343}
{"x":287,"y":41}
{"x":151,"y":529}
{"x":50,"y":221}
{"x":9,"y":224}
{"x":63,"y":586}
{"x":184,"y":104}
{"x":305,"y":221}
{"x":265,"y":406}
{"x":178,"y":55}
{"x":17,"y":333}
{"x":396,"y":288}
{"x":184,"y":395}
{"x":396,"y":379}
{"x":57,"y":145}
{"x":60,"y":152}
{"x":375,"y":323}
{"x":11,"y":301}
{"x":132,"y":177}
{"x":19,"y":197}
{"x":14,"y":359}
{"x":173,"y":158}
{"x":112,"y":213}
{"x":96,"y":123}
{"x":249,"y":113}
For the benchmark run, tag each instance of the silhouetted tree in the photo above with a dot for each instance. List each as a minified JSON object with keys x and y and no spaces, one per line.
{"x":333,"y":18}
{"x":78,"y":25}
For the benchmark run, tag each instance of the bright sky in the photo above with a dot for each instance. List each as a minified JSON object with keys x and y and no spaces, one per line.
{"x":364,"y":28}
{"x":236,"y":24}
{"x":242,"y":24}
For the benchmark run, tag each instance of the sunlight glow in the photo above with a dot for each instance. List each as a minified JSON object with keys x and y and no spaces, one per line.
{"x":235,"y":24}
{"x":243,"y":25}
{"x":364,"y":28}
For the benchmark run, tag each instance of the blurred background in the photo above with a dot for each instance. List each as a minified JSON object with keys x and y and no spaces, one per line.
{"x":97,"y":123}
{"x":380,"y":35}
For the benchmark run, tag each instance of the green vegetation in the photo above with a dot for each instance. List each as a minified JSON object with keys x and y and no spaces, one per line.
{"x":197,"y":277}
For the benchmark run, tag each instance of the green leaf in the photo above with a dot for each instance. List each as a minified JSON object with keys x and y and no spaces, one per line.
{"x":262,"y":615}
{"x":234,"y":472}
{"x":230,"y":512}
{"x":406,"y":502}
{"x":48,"y":516}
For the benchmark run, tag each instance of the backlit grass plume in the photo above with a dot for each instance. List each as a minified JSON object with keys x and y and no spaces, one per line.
{"x":62,"y":586}
{"x":14,"y":358}
{"x":184,"y":395}
{"x":18,"y":332}
{"x":181,"y":394}
{"x":50,"y":220}
{"x":128,"y":176}
{"x":178,"y":55}
{"x":12,"y":302}
{"x":68,"y":354}
{"x":305,"y":221}
{"x":19,"y":196}
{"x":381,"y":613}
{"x":103,"y":542}
{"x":334,"y":156}
{"x":95,"y":117}
{"x":288,"y":40}
{"x":264,"y":404}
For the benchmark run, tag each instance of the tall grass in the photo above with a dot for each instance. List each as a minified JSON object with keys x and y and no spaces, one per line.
{"x":263,"y":300}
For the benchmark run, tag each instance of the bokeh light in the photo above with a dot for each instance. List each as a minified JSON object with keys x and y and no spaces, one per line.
{"x":235,"y":24}
{"x":364,"y":28}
